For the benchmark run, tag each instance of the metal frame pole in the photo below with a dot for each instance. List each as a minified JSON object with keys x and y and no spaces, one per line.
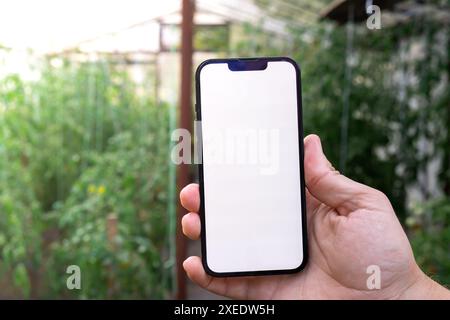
{"x":185,"y":121}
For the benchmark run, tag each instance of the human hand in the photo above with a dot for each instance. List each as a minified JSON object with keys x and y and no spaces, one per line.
{"x":350,"y":227}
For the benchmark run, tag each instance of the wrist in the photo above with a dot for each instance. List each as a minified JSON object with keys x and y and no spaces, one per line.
{"x":424,"y":288}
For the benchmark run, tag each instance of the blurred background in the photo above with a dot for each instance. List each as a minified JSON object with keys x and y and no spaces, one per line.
{"x":91,"y":90}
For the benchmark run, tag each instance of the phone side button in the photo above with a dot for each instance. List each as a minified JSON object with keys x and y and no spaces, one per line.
{"x":197,"y":112}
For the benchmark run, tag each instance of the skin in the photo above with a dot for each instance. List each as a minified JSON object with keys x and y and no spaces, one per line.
{"x":350,"y":227}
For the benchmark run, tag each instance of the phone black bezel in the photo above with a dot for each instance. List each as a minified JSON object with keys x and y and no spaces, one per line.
{"x":301,"y":164}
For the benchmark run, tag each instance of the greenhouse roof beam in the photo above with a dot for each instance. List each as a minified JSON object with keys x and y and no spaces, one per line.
{"x":338,"y":9}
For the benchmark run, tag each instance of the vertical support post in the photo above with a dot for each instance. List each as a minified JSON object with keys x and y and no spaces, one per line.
{"x":446,"y":159}
{"x":347,"y":90}
{"x":185,"y":121}
{"x":156,"y":63}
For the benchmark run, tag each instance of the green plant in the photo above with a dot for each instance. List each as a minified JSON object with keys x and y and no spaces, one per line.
{"x":84,"y":180}
{"x":429,"y":226}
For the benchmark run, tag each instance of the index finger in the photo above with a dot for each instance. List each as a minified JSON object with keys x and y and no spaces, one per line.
{"x":190,"y":197}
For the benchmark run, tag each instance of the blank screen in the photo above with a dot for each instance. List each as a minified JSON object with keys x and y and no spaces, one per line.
{"x":251,"y":170}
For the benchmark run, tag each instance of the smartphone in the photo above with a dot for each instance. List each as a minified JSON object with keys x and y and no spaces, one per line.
{"x":252,"y":190}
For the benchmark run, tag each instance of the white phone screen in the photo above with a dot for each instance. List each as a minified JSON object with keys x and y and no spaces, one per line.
{"x":251,"y":168}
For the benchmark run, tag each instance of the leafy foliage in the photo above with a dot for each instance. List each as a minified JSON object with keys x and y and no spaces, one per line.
{"x":429,"y":225}
{"x":84,"y":165}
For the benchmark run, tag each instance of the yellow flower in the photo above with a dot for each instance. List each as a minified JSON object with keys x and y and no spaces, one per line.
{"x":101,"y":189}
{"x":91,"y":189}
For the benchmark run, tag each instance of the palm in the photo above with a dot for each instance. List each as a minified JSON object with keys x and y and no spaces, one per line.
{"x":343,"y":244}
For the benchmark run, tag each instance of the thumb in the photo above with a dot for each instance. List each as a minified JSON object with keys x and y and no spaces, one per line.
{"x":326,"y":184}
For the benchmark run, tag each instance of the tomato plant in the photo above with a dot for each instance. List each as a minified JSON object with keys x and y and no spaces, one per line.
{"x":84,"y":180}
